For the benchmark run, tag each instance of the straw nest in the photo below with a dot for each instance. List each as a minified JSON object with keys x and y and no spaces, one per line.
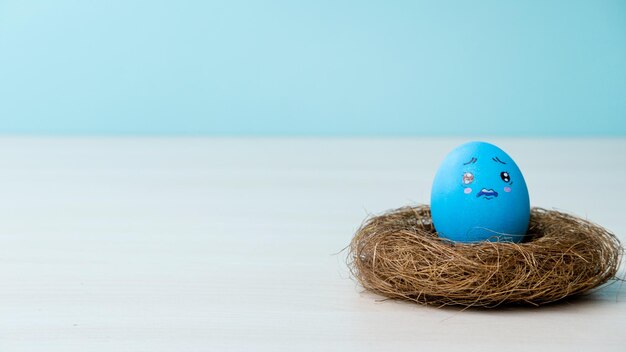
{"x":399,"y":255}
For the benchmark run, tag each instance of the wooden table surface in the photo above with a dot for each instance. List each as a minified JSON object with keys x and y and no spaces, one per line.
{"x":201,"y":244}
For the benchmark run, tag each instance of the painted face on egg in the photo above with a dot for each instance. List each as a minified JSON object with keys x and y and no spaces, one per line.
{"x":479,"y":194}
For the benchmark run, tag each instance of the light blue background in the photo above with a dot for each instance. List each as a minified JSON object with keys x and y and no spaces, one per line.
{"x":353,"y":68}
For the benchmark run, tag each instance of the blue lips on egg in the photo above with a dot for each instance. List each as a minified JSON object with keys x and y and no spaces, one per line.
{"x":488,"y":193}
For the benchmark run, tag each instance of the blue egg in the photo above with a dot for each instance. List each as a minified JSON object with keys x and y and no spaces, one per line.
{"x":479,"y":194}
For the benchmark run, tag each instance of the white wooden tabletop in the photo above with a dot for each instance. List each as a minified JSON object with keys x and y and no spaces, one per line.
{"x":200,"y":244}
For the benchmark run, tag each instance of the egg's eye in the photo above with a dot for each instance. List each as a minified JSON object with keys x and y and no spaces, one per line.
{"x":505,"y":176}
{"x":468,"y":178}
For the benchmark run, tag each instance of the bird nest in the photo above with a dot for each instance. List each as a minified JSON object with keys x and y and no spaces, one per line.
{"x":399,"y":255}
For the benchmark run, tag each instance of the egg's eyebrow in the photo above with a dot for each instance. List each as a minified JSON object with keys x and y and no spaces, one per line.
{"x":497,"y":160}
{"x":471,"y":161}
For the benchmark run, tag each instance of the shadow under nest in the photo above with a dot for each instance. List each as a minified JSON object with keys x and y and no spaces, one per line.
{"x":399,"y":255}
